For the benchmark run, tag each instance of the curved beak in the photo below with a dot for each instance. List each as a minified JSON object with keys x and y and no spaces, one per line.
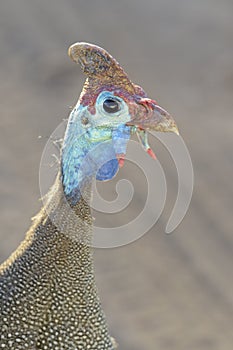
{"x":150,"y":116}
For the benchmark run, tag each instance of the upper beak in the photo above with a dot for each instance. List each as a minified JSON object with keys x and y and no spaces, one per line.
{"x":150,"y":116}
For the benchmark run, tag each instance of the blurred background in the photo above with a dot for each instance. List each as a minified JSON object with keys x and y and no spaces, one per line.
{"x":170,"y":292}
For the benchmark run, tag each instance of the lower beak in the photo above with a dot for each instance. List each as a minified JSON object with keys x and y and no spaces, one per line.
{"x":151,"y":116}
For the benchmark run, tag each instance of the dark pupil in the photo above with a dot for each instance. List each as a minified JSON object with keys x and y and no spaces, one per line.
{"x":111,"y":106}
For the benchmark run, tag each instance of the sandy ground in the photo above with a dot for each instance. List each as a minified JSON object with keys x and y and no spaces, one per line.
{"x":162,"y":292}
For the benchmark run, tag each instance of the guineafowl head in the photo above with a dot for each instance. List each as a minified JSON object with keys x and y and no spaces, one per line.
{"x":109,"y":110}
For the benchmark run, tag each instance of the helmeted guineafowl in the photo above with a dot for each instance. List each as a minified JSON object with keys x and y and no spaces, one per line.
{"x":48,"y":294}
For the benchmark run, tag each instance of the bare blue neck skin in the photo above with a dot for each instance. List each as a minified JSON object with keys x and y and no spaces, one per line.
{"x":89,"y":151}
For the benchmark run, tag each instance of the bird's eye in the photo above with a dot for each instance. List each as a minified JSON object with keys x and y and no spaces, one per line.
{"x":111,"y":106}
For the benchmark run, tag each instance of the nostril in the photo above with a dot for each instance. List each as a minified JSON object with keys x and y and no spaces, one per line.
{"x":148,"y":103}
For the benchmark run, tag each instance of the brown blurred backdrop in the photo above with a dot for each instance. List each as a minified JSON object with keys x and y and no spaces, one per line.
{"x":162,"y":292}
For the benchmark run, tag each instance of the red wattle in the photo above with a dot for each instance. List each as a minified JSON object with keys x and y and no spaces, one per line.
{"x":151,"y":153}
{"x":121,"y":162}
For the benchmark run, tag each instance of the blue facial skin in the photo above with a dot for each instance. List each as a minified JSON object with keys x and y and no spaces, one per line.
{"x":92,"y":143}
{"x":117,"y":145}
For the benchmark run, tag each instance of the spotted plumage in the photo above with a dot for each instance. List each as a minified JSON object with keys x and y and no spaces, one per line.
{"x":48,"y":294}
